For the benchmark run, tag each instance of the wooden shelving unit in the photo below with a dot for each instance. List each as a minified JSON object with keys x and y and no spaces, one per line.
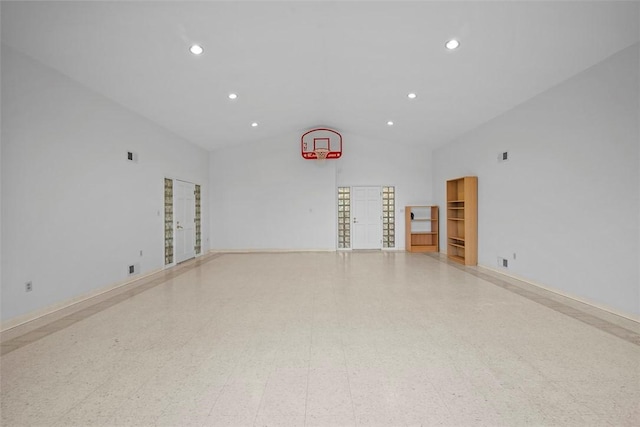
{"x":421,"y":230}
{"x":462,"y":220}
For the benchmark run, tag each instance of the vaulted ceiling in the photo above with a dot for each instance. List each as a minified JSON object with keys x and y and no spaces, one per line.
{"x":294,"y":65}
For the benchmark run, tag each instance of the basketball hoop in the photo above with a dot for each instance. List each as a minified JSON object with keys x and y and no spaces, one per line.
{"x":321,"y":144}
{"x":321,"y":153}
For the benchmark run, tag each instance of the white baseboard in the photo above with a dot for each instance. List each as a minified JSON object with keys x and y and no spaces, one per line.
{"x":64,"y":308}
{"x":600,"y":306}
{"x":258,"y":251}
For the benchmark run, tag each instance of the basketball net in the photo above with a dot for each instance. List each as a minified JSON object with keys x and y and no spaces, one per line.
{"x":321,"y":153}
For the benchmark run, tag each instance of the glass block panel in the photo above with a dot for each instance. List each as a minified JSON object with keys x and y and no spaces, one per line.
{"x":198,"y":243}
{"x":344,"y":225}
{"x":388,"y":217}
{"x":168,"y":221}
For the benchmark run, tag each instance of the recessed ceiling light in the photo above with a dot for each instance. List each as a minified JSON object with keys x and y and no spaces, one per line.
{"x":452,"y":44}
{"x":254,"y":124}
{"x":412,"y":95}
{"x":233,"y":96}
{"x":389,"y":123}
{"x":196,"y":49}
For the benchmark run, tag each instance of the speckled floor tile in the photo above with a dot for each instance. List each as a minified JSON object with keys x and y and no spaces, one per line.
{"x":320,"y":339}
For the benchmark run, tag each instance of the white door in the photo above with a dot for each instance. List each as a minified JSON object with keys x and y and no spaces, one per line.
{"x":184,"y":211}
{"x":366,"y":220}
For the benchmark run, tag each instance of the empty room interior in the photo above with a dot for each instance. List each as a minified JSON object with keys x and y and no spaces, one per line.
{"x":340,"y":213}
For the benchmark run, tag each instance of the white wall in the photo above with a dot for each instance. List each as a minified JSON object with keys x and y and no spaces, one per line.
{"x":266,"y":196}
{"x":567,"y":200}
{"x":75,"y":212}
{"x":377,"y":162}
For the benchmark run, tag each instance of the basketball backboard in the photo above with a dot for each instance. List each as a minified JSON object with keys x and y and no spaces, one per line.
{"x":314,"y":144}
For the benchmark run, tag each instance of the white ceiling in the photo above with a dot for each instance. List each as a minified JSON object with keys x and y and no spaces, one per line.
{"x":296,"y":65}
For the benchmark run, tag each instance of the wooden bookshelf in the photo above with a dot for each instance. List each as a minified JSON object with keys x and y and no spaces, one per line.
{"x":421,"y":228}
{"x":462,"y":220}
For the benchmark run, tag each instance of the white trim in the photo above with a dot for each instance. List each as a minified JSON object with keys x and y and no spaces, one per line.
{"x":352,"y":210}
{"x":604,"y":307}
{"x":202,"y":251}
{"x":269,"y":250}
{"x":58,"y":308}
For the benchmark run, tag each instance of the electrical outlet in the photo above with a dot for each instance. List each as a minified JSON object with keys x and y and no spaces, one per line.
{"x":505,"y":263}
{"x":28,"y":287}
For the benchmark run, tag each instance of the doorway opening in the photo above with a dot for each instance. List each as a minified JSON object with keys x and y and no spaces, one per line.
{"x":182,"y":221}
{"x":366,"y":217}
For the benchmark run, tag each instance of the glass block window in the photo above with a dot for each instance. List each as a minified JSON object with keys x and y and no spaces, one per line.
{"x":344,"y":217}
{"x":198,"y":246}
{"x":168,"y":221}
{"x":388,"y":217}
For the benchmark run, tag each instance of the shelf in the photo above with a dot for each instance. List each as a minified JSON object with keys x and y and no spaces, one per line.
{"x":457,"y":258}
{"x":421,"y":231}
{"x":421,"y":248}
{"x":462,"y":219}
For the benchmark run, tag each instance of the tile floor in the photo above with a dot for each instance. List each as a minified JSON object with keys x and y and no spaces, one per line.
{"x":322,"y":339}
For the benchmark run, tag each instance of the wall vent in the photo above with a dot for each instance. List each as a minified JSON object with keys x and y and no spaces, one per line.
{"x":134,"y":269}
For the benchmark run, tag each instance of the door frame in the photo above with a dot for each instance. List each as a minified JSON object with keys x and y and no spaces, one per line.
{"x":191,"y":222}
{"x":379,"y":189}
{"x":174,"y":179}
